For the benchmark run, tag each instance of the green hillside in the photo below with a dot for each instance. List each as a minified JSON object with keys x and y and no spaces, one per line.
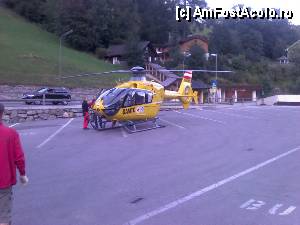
{"x":29,"y":55}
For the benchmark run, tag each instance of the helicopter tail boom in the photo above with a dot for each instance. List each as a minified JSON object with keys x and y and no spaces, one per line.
{"x":185,"y":93}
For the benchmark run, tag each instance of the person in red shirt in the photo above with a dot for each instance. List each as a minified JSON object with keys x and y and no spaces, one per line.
{"x":85,"y":112}
{"x":11,"y":158}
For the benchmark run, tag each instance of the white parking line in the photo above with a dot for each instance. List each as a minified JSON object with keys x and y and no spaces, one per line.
{"x":13,"y":125}
{"x":124,"y":132}
{"x":173,"y":124}
{"x":27,"y":133}
{"x":246,"y":109}
{"x":201,"y":117}
{"x":231,"y":114}
{"x":54,"y":134}
{"x":212,"y":187}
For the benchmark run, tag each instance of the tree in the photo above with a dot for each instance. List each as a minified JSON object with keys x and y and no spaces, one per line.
{"x":197,"y":58}
{"x":294,"y":54}
{"x":176,"y":58}
{"x":134,"y":55}
{"x":31,"y":9}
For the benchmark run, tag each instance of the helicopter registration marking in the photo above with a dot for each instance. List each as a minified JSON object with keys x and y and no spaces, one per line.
{"x":140,"y":109}
{"x":128,"y":111}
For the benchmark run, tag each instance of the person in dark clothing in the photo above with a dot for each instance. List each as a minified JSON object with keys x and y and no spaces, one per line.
{"x":85,"y":112}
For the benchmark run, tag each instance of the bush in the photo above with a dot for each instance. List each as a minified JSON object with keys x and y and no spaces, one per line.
{"x":100,"y":53}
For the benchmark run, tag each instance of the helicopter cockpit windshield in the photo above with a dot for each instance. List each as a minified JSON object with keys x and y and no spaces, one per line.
{"x":113,"y":100}
{"x":114,"y":95}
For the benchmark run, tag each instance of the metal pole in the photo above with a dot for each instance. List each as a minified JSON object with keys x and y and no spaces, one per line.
{"x":60,"y":52}
{"x":44,"y":97}
{"x":59,"y":58}
{"x":216,"y":68}
{"x":217,"y":100}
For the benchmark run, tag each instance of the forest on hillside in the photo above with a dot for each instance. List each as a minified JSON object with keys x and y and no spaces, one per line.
{"x":248,"y":47}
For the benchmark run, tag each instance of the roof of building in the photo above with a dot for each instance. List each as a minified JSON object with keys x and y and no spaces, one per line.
{"x":283,"y":58}
{"x":169,"y":81}
{"x":121,"y":50}
{"x":193,"y":37}
{"x":163,"y":70}
{"x":198,"y":84}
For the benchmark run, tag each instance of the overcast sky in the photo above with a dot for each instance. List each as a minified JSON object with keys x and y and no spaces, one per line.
{"x":258,"y":4}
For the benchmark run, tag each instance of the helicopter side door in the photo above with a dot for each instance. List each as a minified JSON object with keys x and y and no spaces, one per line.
{"x":137,"y":106}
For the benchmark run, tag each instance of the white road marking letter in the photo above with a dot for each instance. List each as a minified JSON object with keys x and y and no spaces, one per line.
{"x":288,"y":211}
{"x":247,"y":203}
{"x":275,"y":208}
{"x":256,"y":205}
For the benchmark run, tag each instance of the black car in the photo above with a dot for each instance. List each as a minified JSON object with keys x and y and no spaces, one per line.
{"x":54,"y":95}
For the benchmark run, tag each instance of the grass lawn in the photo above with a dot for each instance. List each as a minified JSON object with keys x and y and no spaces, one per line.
{"x":29,"y":55}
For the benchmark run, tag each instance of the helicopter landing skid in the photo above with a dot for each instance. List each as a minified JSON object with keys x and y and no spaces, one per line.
{"x":99,"y":123}
{"x":131,"y":126}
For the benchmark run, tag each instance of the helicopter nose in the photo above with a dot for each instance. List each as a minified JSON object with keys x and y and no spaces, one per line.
{"x":99,"y":106}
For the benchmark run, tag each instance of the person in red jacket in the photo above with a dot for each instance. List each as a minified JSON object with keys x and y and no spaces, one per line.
{"x":85,"y":112}
{"x":11,"y":158}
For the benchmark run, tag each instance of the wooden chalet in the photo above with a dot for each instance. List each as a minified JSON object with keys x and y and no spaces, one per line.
{"x":117,"y":54}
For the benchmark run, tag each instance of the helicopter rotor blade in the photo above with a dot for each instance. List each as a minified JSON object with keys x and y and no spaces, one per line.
{"x":144,"y":71}
{"x":96,"y":74}
{"x":206,"y":71}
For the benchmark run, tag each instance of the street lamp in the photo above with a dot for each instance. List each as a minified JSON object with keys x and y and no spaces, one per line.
{"x":216,"y":78}
{"x":216,"y":55}
{"x":60,"y":50}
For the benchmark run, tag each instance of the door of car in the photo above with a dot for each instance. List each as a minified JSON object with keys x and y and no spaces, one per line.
{"x":50,"y":94}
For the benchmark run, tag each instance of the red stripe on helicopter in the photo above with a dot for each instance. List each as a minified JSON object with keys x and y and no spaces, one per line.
{"x":188,"y":74}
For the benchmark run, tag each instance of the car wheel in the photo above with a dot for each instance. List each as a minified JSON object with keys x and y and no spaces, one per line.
{"x":37,"y":102}
{"x":54,"y":103}
{"x":28,"y":103}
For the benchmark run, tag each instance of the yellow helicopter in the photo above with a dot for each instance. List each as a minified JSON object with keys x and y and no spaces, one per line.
{"x":137,"y":101}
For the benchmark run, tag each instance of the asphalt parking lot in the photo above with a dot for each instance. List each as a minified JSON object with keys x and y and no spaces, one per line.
{"x":208,"y":166}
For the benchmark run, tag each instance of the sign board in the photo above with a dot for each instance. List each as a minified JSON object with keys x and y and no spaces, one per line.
{"x":214,"y":84}
{"x":213,"y":90}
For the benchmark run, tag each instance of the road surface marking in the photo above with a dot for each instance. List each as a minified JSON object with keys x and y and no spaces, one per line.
{"x":54,"y":134}
{"x":201,"y":117}
{"x":27,"y":133}
{"x":232,"y":114}
{"x":256,"y":205}
{"x":246,"y":204}
{"x":13,"y":125}
{"x":288,"y":211}
{"x":207,"y":189}
{"x":124,"y":132}
{"x":173,"y":124}
{"x":274,"y":209}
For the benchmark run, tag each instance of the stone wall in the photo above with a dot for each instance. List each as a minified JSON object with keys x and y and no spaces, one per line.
{"x":31,"y":113}
{"x":15,"y":115}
